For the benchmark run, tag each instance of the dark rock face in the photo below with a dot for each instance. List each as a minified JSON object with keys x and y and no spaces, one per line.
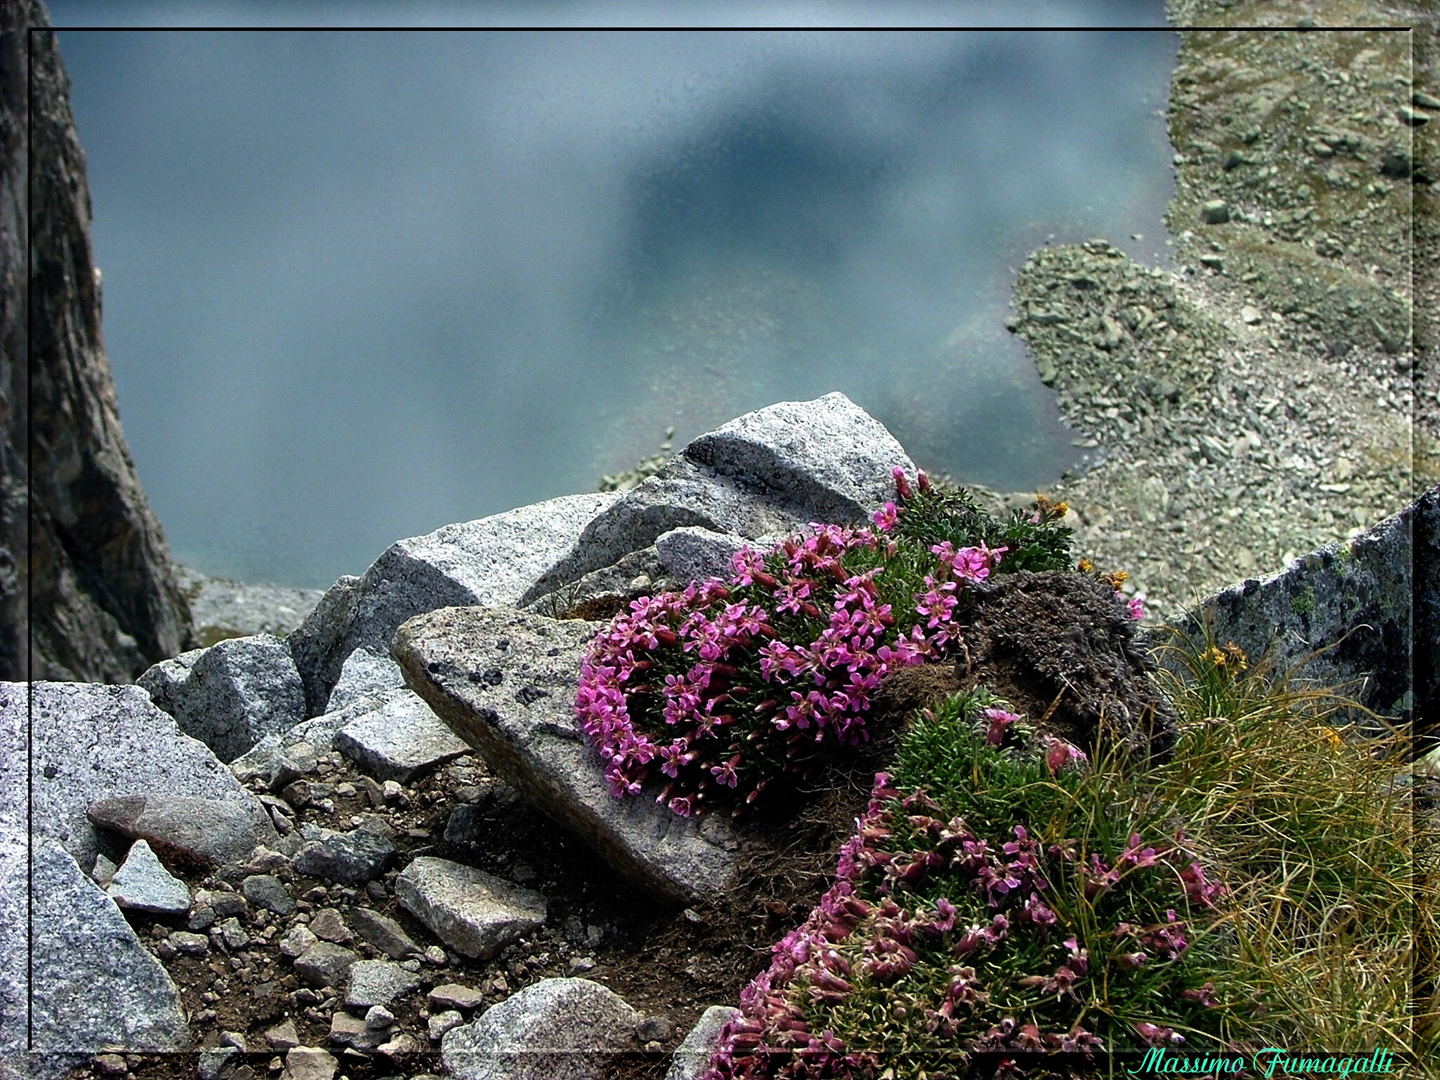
{"x":106,"y":604}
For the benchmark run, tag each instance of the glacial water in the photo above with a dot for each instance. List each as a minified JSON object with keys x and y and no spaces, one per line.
{"x":360,"y":285}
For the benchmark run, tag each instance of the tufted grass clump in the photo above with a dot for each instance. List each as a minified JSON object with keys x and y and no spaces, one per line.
{"x":1001,"y":895}
{"x":717,"y":691}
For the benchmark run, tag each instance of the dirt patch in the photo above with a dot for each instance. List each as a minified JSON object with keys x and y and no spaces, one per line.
{"x":1062,"y":648}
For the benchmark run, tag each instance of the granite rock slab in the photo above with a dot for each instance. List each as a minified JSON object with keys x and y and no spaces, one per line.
{"x":494,"y":560}
{"x":95,"y":985}
{"x":93,"y":742}
{"x":505,"y":681}
{"x":187,"y":830}
{"x":472,"y":912}
{"x":768,"y":472}
{"x":396,"y":736}
{"x":231,"y":695}
{"x":555,"y":1029}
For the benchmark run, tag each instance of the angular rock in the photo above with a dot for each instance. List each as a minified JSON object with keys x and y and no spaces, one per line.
{"x":142,"y":884}
{"x":494,"y":560}
{"x":276,"y":759}
{"x":186,"y":830}
{"x":384,"y":933}
{"x":455,"y":996}
{"x":767,"y":472}
{"x":556,"y":1029}
{"x":325,"y":964}
{"x":378,"y":982}
{"x":609,"y":588}
{"x":309,"y":1063}
{"x":351,"y":858}
{"x":233,"y":694}
{"x":93,"y":742}
{"x":95,"y":986}
{"x":398,"y":738}
{"x":524,"y":726}
{"x":696,"y":554}
{"x":471,"y":911}
{"x":692,"y":1056}
{"x":1357,"y":594}
{"x":327,"y":925}
{"x":269,"y":892}
{"x":298,"y":941}
{"x":282,"y":1036}
{"x":365,"y":672}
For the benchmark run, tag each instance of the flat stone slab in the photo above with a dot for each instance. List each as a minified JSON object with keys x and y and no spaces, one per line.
{"x":384,"y":933}
{"x":555,"y":1029}
{"x":95,"y":985}
{"x":93,"y":742}
{"x":364,"y":673}
{"x":505,"y":681}
{"x":143,"y":884}
{"x":472,"y":912}
{"x":351,"y":858}
{"x":378,"y":982}
{"x":187,"y":829}
{"x":324,"y":964}
{"x":398,"y":738}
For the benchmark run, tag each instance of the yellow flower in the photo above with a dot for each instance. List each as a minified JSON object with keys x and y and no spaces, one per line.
{"x":1237,"y":655}
{"x":1332,"y":738}
{"x":1086,"y":566}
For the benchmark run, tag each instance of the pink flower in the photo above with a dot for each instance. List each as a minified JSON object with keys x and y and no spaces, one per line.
{"x":999,"y":721}
{"x":1061,"y":754}
{"x":887,"y":517}
{"x":1137,"y":607}
{"x":1155,"y":1035}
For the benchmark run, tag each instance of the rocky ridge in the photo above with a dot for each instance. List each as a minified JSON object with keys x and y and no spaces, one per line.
{"x":360,"y":890}
{"x":1259,"y":399}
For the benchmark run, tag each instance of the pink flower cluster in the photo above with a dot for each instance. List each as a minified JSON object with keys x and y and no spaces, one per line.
{"x":702,"y":688}
{"x":872,"y":929}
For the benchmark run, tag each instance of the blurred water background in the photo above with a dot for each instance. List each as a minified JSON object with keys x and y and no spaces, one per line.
{"x":358,"y":285}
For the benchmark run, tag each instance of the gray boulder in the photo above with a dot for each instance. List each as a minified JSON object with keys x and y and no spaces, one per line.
{"x":324,"y":964}
{"x":556,"y":1029}
{"x":364,"y":673}
{"x":506,"y":681}
{"x":693,"y":1054}
{"x":231,"y":695}
{"x":397,"y":737}
{"x":188,"y":830}
{"x":95,"y":985}
{"x":1356,"y":596}
{"x":14,"y":872}
{"x":768,"y":472}
{"x":142,"y":884}
{"x":696,"y":554}
{"x":93,"y":742}
{"x":494,"y":560}
{"x":472,"y":912}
